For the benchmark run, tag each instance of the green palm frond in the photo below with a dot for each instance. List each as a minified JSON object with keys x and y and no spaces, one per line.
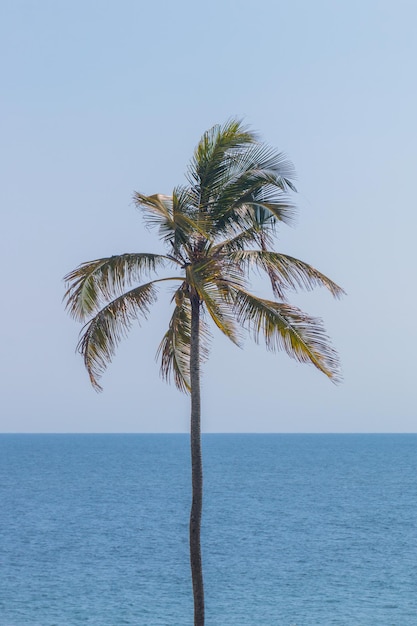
{"x":189,"y":224}
{"x":213,"y":289}
{"x":256,"y":197}
{"x":286,"y":272}
{"x":240,"y":217}
{"x":263,"y":217}
{"x":257,"y":228}
{"x":104,"y":332}
{"x":213,"y":155}
{"x":157,"y":209}
{"x":92,"y":284}
{"x":256,"y":166}
{"x":287,"y":327}
{"x":277,"y":207}
{"x":174,"y":349}
{"x":248,"y":237}
{"x":175,"y":216}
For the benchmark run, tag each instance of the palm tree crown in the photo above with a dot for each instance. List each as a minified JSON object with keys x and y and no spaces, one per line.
{"x":215,"y":228}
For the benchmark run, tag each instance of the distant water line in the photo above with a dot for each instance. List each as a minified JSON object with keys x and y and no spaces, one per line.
{"x":297,"y":530}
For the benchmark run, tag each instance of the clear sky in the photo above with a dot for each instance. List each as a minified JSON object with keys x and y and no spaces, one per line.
{"x":101,"y":98}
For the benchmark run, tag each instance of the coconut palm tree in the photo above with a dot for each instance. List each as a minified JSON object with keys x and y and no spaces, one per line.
{"x":216,"y":229}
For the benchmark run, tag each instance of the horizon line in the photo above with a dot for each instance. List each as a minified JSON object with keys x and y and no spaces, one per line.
{"x":209,"y":433}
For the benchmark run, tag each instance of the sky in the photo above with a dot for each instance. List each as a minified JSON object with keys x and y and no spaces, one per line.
{"x":101,"y":98}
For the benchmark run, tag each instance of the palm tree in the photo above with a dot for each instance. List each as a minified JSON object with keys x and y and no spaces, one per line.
{"x":216,"y":228}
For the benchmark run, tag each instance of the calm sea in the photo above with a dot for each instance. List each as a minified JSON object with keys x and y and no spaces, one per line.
{"x":298,"y":530}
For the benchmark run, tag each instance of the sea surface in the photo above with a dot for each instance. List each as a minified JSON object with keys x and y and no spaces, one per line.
{"x":298,"y":530}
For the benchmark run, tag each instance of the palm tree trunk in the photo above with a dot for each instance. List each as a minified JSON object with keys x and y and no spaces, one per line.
{"x":196,"y":465}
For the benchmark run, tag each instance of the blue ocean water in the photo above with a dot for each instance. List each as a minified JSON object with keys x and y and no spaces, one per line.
{"x":298,"y":530}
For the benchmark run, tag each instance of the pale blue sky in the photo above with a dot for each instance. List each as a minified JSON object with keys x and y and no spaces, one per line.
{"x":102,"y":98}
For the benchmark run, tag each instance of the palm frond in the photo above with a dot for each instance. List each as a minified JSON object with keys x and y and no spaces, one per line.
{"x":174,"y":349}
{"x":104,"y":332}
{"x":213,"y":290}
{"x":188,"y":223}
{"x":249,"y":236}
{"x":93,"y":283}
{"x":263,"y":216}
{"x":157,"y":209}
{"x":286,"y":272}
{"x":260,"y":178}
{"x":259,"y":163}
{"x":287,"y":327}
{"x":176,"y":217}
{"x":212,"y":157}
{"x":255,"y":228}
{"x":240,"y":217}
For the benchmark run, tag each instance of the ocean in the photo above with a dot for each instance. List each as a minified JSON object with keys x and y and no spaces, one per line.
{"x":298,"y":530}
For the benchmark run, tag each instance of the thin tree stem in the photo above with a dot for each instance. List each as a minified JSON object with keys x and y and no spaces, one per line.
{"x":196,"y":466}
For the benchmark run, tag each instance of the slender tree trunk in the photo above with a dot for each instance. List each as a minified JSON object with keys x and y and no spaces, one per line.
{"x":196,"y":466}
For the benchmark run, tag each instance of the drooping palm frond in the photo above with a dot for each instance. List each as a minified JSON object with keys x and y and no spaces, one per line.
{"x":287,"y":327}
{"x":213,"y":289}
{"x":174,"y":349}
{"x":93,"y":283}
{"x":286,"y":272}
{"x":104,"y":332}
